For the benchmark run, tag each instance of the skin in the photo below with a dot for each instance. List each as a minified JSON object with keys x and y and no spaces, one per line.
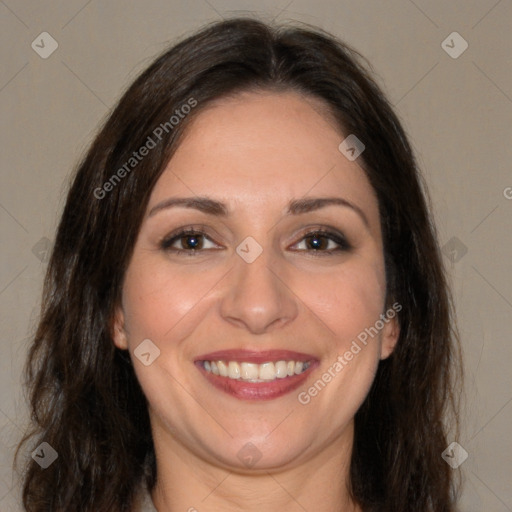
{"x":255,"y":152}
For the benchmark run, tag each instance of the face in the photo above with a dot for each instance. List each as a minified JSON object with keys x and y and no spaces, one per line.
{"x":264,"y":304}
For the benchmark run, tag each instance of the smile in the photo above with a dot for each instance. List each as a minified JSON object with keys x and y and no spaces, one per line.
{"x":252,"y":375}
{"x":252,"y":372}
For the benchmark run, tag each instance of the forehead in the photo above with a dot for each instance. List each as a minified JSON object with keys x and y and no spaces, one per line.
{"x":286,"y":124}
{"x":264,"y":147}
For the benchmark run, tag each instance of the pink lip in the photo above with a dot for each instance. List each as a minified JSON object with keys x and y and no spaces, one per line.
{"x":254,"y":356}
{"x":244,"y":390}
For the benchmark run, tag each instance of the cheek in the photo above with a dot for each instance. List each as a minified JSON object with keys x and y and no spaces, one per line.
{"x":347,"y":300}
{"x":156,"y":298}
{"x":351,"y":303}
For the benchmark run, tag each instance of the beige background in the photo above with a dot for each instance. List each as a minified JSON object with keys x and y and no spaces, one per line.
{"x":458,"y":113}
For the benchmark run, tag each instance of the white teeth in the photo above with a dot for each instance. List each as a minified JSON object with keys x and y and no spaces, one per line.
{"x":253,"y":372}
{"x":281,"y":369}
{"x":233,"y":370}
{"x":223,"y":369}
{"x":249,"y":371}
{"x":267,"y":371}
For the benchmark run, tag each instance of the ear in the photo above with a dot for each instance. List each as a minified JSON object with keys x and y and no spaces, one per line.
{"x":389,"y":338}
{"x":118,"y":330}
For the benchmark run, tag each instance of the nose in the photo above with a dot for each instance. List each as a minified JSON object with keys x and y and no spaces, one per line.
{"x":257,"y":296}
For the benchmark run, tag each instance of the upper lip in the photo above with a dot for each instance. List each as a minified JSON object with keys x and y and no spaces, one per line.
{"x":256,"y":356}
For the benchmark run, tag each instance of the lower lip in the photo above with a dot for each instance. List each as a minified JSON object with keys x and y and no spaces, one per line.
{"x":244,"y":390}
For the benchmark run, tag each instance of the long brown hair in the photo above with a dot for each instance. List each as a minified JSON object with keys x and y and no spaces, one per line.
{"x":85,"y":399}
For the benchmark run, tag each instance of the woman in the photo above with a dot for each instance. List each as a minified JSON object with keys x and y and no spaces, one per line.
{"x":245,"y":307}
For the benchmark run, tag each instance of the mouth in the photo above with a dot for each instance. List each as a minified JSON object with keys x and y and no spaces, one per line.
{"x":251,"y":375}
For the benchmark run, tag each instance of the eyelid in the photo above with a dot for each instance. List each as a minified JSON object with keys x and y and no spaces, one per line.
{"x":328,"y":232}
{"x":167,"y":241}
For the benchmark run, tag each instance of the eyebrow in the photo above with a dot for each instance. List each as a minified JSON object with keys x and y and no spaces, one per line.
{"x":217,"y":208}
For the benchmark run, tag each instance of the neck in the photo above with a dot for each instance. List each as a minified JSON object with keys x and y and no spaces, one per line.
{"x":187,"y":482}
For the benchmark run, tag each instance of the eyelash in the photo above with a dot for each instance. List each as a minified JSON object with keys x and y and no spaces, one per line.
{"x":343,"y":245}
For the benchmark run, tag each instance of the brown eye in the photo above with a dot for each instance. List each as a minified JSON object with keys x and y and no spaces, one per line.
{"x":186,"y":241}
{"x":320,"y":241}
{"x":194,"y":241}
{"x":317,"y":242}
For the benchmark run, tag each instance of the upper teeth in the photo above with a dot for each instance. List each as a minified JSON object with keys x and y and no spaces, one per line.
{"x":256,"y":372}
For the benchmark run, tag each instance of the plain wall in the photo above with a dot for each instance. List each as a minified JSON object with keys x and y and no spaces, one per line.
{"x":457,"y":112}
